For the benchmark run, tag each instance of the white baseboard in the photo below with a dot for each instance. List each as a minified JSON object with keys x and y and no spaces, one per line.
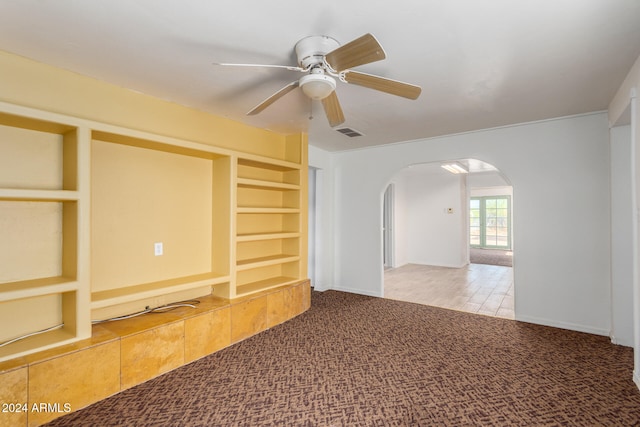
{"x":636,"y":378}
{"x":615,"y":340}
{"x":562,"y":325}
{"x":439,"y":264}
{"x":356,"y":291}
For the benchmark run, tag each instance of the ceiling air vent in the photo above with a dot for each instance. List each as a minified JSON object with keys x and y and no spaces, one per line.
{"x":351,"y":133}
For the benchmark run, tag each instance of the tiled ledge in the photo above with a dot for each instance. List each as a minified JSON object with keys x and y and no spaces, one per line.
{"x":43,"y":386}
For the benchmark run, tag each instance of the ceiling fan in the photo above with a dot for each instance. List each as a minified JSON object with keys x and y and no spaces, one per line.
{"x":322,"y":59}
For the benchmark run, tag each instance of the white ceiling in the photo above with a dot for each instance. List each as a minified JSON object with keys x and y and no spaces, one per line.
{"x":480,"y":64}
{"x":422,"y":170}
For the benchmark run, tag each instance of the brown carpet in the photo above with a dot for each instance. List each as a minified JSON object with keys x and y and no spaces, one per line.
{"x":353,"y":360}
{"x":491,"y":257}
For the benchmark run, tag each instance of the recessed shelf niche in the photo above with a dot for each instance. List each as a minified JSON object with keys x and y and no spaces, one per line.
{"x":82,"y":204}
{"x":40,"y":207}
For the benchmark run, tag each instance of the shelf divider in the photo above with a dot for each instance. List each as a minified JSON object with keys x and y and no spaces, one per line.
{"x":113,"y":297}
{"x":36,"y":287}
{"x":258,"y":183}
{"x":265,"y":261}
{"x":15,"y":194}
{"x":266,"y":236}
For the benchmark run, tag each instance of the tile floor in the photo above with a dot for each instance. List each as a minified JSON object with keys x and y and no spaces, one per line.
{"x":476,"y":288}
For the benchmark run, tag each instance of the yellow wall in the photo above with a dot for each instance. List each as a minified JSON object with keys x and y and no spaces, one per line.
{"x":91,"y":177}
{"x":31,"y":232}
{"x":170,"y":190}
{"x":30,"y":160}
{"x":141,"y":197}
{"x":33,"y":159}
{"x":29,"y":83}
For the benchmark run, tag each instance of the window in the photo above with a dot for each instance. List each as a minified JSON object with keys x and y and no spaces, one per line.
{"x":490,"y":222}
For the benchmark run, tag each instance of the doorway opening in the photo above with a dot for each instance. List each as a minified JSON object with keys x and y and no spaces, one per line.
{"x":490,"y":222}
{"x":430,"y":228}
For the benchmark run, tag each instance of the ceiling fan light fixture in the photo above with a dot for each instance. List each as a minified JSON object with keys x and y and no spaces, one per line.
{"x":317,"y":86}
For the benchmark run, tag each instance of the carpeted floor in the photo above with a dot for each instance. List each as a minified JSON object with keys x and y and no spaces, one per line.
{"x":353,"y":360}
{"x":491,"y":257}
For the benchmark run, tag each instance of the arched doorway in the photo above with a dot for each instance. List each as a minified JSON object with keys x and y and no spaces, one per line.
{"x":433,"y":229}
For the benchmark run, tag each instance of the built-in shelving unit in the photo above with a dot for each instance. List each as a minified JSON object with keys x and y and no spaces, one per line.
{"x":268,"y":224}
{"x":231,"y":223}
{"x":183,"y":189}
{"x":44,"y":211}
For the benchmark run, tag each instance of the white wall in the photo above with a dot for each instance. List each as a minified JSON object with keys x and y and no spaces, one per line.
{"x":621,"y":238}
{"x":557,"y":169}
{"x":490,"y":180}
{"x":324,"y":270}
{"x":490,"y":191}
{"x":623,"y":110}
{"x":429,"y":234}
{"x":424,"y":232}
{"x":400,"y":218}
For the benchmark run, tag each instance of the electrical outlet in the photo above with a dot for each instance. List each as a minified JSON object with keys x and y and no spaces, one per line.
{"x":158,"y":249}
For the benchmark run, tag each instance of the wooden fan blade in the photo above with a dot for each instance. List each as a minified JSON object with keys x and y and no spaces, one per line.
{"x":360,"y":51}
{"x":383,"y":84}
{"x":286,"y":67}
{"x":333,"y":110}
{"x":273,"y":98}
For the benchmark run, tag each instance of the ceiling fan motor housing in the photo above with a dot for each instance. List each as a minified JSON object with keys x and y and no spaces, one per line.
{"x":311,"y":50}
